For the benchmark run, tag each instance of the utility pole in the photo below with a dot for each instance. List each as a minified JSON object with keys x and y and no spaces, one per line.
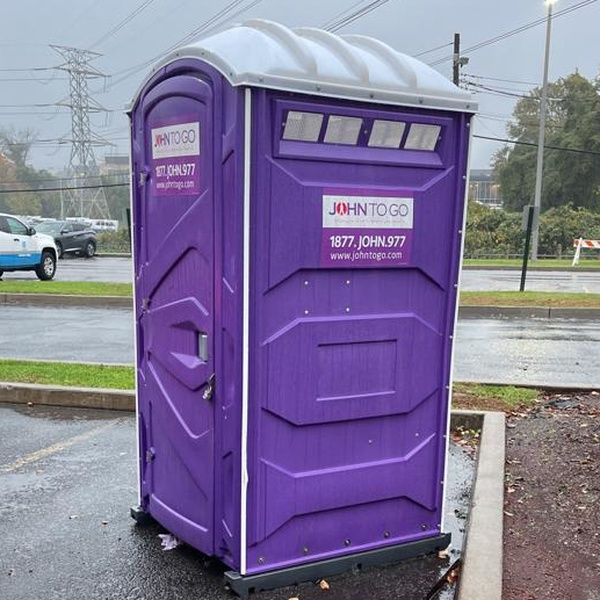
{"x":456,"y":60}
{"x":88,"y":200}
{"x":537,"y":195}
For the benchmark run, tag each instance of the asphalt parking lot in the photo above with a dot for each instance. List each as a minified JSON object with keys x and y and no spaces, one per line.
{"x":67,"y":480}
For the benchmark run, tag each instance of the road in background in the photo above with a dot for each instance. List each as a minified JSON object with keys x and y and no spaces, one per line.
{"x":119,"y":270}
{"x":108,"y":269}
{"x":67,"y":334}
{"x":542,"y":352}
{"x":474,"y":280}
{"x":521,"y":351}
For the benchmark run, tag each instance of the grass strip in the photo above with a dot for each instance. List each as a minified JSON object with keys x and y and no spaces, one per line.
{"x":544,"y":263}
{"x":90,"y":288}
{"x":506,"y":398}
{"x":549,"y":299}
{"x":67,"y":374}
{"x":71,"y":288}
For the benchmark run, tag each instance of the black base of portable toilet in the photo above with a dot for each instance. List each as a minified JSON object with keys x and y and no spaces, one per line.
{"x":245,"y":585}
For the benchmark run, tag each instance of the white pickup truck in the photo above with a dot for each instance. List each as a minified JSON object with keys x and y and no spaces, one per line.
{"x":23,"y":249}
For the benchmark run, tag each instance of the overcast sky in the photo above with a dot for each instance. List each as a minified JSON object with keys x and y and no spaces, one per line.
{"x":131,"y":34}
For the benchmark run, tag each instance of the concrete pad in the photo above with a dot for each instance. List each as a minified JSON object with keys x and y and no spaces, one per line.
{"x":482,"y":552}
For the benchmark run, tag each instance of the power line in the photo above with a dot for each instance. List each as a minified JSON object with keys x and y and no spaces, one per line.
{"x":62,"y":179}
{"x":343,"y":21}
{"x":518,"y":82}
{"x":217,"y":20}
{"x":63,"y":189}
{"x":516,"y":31}
{"x":521,"y":143}
{"x":432,"y":50}
{"x":27,"y":70}
{"x":124,"y":22}
{"x":496,"y":92}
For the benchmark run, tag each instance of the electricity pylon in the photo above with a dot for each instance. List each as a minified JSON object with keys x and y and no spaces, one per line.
{"x":83,"y":196}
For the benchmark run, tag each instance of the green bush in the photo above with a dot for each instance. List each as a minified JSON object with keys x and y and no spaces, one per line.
{"x":114,"y":241}
{"x":497,"y":233}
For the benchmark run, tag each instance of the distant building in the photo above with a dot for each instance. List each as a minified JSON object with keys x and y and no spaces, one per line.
{"x":484,"y":189}
{"x":115,"y":164}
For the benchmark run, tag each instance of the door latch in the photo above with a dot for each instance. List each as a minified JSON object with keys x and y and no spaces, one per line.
{"x":210,"y":388}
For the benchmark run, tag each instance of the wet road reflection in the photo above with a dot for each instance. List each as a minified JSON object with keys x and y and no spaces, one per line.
{"x":521,"y":351}
{"x":550,"y":352}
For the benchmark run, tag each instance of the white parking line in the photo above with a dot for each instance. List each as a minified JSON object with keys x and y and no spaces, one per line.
{"x":55,"y":448}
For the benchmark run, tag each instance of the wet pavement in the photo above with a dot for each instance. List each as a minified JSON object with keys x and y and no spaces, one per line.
{"x":67,"y":480}
{"x":67,"y":334}
{"x":120,"y":270}
{"x":100,"y":268}
{"x":551,"y":352}
{"x":543,"y":352}
{"x":474,"y":280}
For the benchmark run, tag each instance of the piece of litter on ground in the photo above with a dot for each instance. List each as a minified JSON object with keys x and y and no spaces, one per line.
{"x":443,"y":554}
{"x":323,"y":584}
{"x":168,"y":541}
{"x":71,"y":517}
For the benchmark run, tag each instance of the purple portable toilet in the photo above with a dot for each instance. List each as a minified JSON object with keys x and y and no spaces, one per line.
{"x":298,"y":206}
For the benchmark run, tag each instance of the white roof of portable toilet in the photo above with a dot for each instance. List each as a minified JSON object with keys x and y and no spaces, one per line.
{"x":260,"y":53}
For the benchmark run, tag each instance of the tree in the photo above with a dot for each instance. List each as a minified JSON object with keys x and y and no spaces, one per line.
{"x":491,"y":232}
{"x":573,"y":122}
{"x":15,"y":145}
{"x":16,"y":174}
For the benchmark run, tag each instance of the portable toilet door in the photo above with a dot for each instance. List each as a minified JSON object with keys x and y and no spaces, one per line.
{"x":174,"y":231}
{"x":298,"y":213}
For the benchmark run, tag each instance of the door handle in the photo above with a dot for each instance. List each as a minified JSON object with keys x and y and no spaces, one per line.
{"x":203,"y":346}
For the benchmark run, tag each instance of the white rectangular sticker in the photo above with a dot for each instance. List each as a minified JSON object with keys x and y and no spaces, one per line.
{"x":367,"y":212}
{"x":172,"y":141}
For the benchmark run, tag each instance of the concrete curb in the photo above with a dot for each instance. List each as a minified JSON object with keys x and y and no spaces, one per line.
{"x":483,"y":552}
{"x":526,"y":312}
{"x":28,"y":393}
{"x":67,"y":300}
{"x":579,"y":268}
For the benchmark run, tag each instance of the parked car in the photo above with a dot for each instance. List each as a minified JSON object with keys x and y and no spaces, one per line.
{"x":23,"y":249}
{"x":70,"y":236}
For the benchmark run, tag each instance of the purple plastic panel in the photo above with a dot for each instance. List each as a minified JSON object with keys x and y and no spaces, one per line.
{"x":174,"y":278}
{"x":349,"y":359}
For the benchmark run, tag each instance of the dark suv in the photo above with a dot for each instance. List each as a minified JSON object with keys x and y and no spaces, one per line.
{"x":70,"y":236}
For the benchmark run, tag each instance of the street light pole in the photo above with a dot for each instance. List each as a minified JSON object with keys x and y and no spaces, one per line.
{"x":537,"y":198}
